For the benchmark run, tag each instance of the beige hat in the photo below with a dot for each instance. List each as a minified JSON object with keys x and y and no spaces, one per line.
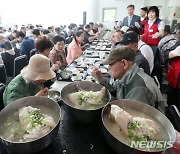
{"x":38,"y":69}
{"x":122,"y":52}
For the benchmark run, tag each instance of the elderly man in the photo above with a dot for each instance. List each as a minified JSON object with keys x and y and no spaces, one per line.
{"x":116,"y":39}
{"x":88,"y":38}
{"x":130,"y":81}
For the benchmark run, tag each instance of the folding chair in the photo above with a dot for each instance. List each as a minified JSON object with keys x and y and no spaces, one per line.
{"x":2,"y":88}
{"x":19,"y":63}
{"x":3,"y":76}
{"x":33,"y":52}
{"x":173,"y":115}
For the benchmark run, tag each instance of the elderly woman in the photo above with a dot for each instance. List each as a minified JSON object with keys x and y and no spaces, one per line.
{"x":44,"y":46}
{"x":74,"y":49}
{"x":57,"y":54}
{"x":29,"y":81}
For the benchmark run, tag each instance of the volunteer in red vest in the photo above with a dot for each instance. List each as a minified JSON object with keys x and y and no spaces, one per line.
{"x":153,"y":29}
{"x":143,"y":15}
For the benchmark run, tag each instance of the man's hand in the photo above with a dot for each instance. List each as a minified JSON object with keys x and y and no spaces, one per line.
{"x":98,"y":75}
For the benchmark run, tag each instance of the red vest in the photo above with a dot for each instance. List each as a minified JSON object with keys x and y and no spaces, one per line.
{"x":143,"y":24}
{"x":148,"y":32}
{"x":173,"y":74}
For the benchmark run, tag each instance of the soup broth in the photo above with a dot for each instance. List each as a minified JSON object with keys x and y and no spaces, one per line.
{"x":117,"y":133}
{"x":11,"y":125}
{"x":85,"y":106}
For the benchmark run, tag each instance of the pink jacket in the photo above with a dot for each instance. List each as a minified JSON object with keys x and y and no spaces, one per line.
{"x":73,"y":51}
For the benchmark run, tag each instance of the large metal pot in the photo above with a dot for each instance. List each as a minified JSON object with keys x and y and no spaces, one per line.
{"x":38,"y":144}
{"x":78,"y":114}
{"x":142,"y":109}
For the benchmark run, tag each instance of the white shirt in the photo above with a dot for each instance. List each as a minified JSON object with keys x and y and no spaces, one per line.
{"x":142,"y":18}
{"x":1,"y":61}
{"x":161,"y":25}
{"x":176,"y":52}
{"x":129,"y":20}
{"x":91,"y":32}
{"x":147,"y":53}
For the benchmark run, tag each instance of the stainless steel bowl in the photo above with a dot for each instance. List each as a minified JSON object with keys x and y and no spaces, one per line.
{"x":142,"y":109}
{"x":78,"y":114}
{"x":54,"y":95}
{"x":40,"y":143}
{"x":66,"y":74}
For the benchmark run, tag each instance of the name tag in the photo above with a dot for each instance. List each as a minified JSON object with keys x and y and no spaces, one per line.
{"x":150,"y":30}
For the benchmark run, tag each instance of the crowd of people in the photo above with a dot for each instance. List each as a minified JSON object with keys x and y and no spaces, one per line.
{"x":154,"y":42}
{"x":143,"y":47}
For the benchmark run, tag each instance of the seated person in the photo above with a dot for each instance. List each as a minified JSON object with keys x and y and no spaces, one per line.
{"x":44,"y":46}
{"x":8,"y":57}
{"x":29,"y":81}
{"x":144,"y":49}
{"x":131,"y":81}
{"x":130,"y":39}
{"x":88,"y":38}
{"x":166,"y":43}
{"x":12,"y":38}
{"x":74,"y":49}
{"x":57,"y":54}
{"x":116,"y":39}
{"x":27,"y":44}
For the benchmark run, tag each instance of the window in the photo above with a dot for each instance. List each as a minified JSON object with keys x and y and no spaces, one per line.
{"x":109,"y":14}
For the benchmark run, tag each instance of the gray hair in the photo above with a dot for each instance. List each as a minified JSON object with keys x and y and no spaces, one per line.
{"x":26,"y":79}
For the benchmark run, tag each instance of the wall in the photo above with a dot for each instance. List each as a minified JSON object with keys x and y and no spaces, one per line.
{"x":166,"y":12}
{"x":121,"y":6}
{"x":91,"y":8}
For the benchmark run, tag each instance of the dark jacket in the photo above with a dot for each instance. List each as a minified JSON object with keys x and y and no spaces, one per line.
{"x":26,"y":46}
{"x":8,"y":60}
{"x":135,"y":18}
{"x":86,"y":37}
{"x":142,"y":62}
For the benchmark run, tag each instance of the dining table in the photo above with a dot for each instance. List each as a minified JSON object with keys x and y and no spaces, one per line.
{"x":75,"y":137}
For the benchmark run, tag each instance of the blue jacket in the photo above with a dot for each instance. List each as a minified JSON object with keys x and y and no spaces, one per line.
{"x":26,"y":46}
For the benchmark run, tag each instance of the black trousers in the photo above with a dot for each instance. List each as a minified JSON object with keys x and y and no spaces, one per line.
{"x":173,"y":97}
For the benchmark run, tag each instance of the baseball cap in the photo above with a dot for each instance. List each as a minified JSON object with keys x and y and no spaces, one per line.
{"x":128,"y":38}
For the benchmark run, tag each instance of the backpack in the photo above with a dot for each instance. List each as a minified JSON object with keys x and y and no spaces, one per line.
{"x":166,"y":53}
{"x":173,"y":73}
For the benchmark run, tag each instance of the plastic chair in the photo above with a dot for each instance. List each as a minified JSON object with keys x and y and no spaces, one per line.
{"x":69,"y":39}
{"x":33,"y":52}
{"x":173,"y":115}
{"x":2,"y":88}
{"x":3,"y":76}
{"x":19,"y":63}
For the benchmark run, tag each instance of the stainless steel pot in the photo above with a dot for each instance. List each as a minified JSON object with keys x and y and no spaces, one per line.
{"x":38,"y":144}
{"x":142,"y":109}
{"x":78,"y":114}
